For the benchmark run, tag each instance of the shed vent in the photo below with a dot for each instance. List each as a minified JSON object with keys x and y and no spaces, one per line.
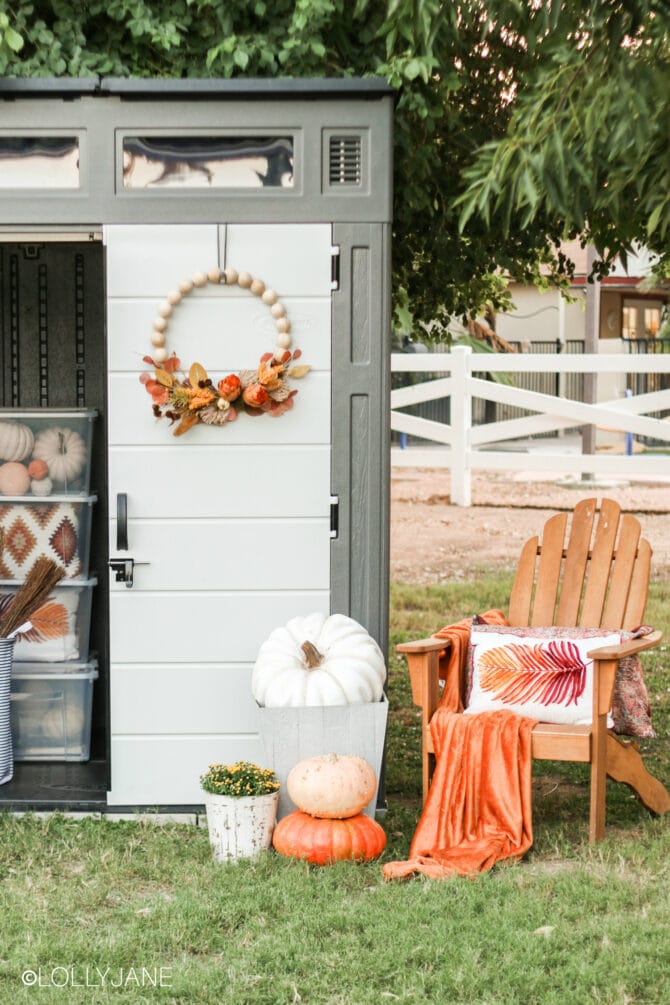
{"x":345,"y":160}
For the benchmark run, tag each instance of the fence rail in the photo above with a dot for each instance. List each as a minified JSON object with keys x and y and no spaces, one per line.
{"x":458,"y":376}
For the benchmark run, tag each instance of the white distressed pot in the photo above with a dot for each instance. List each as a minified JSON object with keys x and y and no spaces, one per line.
{"x":240,"y":826}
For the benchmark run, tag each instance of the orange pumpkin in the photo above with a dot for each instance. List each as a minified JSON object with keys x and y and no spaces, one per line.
{"x":332,"y":785}
{"x":321,"y":841}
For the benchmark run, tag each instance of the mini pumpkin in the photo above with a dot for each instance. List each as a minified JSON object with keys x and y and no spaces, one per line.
{"x":64,"y":452}
{"x":318,"y":660}
{"x":14,"y":479}
{"x":332,"y":785}
{"x":41,"y":486}
{"x":321,"y":841}
{"x":16,"y":440}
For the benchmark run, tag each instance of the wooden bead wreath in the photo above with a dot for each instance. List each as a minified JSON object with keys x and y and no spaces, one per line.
{"x":188,"y":399}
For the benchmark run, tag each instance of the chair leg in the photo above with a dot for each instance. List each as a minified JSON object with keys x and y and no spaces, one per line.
{"x":624,"y":764}
{"x":598,"y":780}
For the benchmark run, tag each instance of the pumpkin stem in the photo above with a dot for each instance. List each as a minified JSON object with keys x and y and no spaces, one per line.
{"x":312,"y":655}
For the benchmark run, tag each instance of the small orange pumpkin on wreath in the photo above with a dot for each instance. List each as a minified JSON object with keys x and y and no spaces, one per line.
{"x":187,"y":399}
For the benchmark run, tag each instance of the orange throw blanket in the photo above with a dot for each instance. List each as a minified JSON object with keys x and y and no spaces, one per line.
{"x":453,"y":662}
{"x":478,"y":809}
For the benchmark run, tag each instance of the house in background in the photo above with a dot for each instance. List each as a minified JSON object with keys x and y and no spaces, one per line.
{"x":625,"y":311}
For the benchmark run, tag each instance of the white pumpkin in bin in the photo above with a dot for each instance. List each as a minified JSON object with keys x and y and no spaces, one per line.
{"x":16,"y":440}
{"x":318,"y":660}
{"x":63,"y":451}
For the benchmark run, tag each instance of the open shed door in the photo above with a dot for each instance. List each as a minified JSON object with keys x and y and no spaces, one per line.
{"x":228,"y":526}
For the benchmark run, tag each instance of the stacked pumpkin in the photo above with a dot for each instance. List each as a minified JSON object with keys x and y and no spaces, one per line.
{"x":330,"y":791}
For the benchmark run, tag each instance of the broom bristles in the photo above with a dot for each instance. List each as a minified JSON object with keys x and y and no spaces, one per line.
{"x":32,"y":593}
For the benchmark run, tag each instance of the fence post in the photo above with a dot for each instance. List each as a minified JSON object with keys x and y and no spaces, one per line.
{"x":461,"y":422}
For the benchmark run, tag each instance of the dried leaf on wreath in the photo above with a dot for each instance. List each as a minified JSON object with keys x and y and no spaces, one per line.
{"x":164,"y":378}
{"x":248,"y":377}
{"x":213,"y":416}
{"x":196,"y":374}
{"x":281,"y":392}
{"x":188,"y":420}
{"x":278,"y":408}
{"x":172,"y":364}
{"x":299,"y":371}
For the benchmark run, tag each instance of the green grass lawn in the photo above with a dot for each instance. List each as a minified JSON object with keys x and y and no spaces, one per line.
{"x":570,"y":924}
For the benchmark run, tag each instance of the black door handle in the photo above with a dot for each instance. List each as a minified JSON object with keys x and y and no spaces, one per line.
{"x":121,"y":521}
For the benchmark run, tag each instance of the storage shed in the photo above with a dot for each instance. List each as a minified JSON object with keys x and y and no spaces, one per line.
{"x":113,"y":194}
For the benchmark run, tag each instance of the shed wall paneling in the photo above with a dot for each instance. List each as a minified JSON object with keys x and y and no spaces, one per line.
{"x":313,"y":396}
{"x":232,"y":522}
{"x":130,"y":319}
{"x":213,"y":627}
{"x":226,"y":554}
{"x":148,"y":474}
{"x":151,"y":699}
{"x":160,"y":770}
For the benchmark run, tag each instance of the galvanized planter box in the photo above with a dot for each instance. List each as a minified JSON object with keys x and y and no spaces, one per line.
{"x":291,"y":734}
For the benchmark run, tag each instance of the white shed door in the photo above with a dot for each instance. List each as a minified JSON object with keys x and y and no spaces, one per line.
{"x":232,"y":522}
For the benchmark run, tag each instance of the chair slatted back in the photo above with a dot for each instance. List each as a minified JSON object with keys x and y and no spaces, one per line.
{"x":592,"y":571}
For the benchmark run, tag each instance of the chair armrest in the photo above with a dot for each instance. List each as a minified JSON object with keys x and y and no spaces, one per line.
{"x":626,"y":648}
{"x":605,"y":662}
{"x":430,"y":645}
{"x":423,"y":661}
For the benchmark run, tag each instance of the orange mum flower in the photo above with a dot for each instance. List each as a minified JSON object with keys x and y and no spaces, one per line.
{"x":230,"y":387}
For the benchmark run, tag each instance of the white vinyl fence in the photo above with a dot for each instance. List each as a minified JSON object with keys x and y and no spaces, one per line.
{"x":465,"y":446}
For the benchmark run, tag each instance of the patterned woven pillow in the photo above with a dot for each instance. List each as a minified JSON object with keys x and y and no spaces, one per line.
{"x":35,"y":529}
{"x":630,"y":702}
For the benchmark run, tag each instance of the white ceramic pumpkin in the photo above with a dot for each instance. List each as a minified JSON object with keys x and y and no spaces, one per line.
{"x":332,"y":786}
{"x":318,"y":660}
{"x":16,"y":440}
{"x":64,"y":452}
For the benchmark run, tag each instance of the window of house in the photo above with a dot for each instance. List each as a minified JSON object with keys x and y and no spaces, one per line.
{"x":641,"y":318}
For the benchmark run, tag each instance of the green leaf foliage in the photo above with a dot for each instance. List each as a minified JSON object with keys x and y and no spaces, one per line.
{"x":517,"y":123}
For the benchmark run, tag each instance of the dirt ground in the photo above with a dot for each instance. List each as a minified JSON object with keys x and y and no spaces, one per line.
{"x":433,"y":541}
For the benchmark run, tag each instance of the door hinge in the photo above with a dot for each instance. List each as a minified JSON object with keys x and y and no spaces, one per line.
{"x":334,"y":516}
{"x":334,"y":267}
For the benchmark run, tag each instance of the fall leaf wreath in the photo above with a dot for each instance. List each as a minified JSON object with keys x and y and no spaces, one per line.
{"x":186,"y":399}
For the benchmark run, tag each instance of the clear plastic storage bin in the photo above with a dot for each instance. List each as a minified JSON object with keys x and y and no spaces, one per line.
{"x":51,"y":711}
{"x":48,"y":451}
{"x":61,"y":626}
{"x":59,"y":528}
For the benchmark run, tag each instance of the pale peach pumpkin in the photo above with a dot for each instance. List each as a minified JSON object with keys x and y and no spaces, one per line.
{"x":333,"y":786}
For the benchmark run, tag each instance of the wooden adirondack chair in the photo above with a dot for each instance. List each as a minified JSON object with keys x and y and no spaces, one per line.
{"x":592,"y":573}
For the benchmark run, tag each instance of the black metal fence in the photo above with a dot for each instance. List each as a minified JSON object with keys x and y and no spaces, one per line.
{"x":644,"y":383}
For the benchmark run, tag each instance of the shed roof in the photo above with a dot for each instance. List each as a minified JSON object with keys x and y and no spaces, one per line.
{"x":211,"y":88}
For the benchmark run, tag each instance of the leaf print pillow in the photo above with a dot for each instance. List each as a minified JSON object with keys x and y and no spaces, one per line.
{"x":549,"y":679}
{"x":54,"y":634}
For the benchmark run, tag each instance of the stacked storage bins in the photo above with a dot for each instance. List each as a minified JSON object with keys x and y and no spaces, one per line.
{"x":46,"y":509}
